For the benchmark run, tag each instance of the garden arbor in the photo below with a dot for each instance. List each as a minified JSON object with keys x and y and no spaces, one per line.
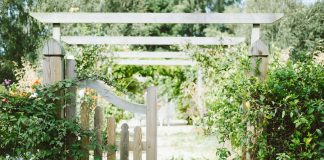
{"x":54,"y":63}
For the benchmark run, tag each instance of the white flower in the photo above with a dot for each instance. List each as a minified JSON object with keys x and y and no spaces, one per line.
{"x":33,"y":95}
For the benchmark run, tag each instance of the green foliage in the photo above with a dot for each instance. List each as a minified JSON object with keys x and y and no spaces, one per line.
{"x":7,"y":69}
{"x":20,"y":35}
{"x":301,"y":28}
{"x":286,"y":110}
{"x":29,"y":127}
{"x":292,"y":109}
{"x":223,"y":153}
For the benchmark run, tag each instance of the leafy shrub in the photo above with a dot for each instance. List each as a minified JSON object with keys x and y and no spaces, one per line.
{"x":285,"y":110}
{"x":292,"y":108}
{"x":7,"y":69}
{"x":29,"y":127}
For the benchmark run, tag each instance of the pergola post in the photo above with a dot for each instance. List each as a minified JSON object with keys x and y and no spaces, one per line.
{"x":56,"y":32}
{"x":259,"y":66}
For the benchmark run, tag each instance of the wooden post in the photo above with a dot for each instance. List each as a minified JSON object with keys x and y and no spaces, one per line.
{"x":199,"y":92}
{"x":255,"y":35}
{"x":56,"y":32}
{"x":151,"y":124}
{"x":111,"y":139}
{"x":98,"y":123}
{"x":85,"y":126}
{"x":53,"y":63}
{"x":124,"y":142}
{"x":259,"y":66}
{"x":137,"y":145}
{"x":70,"y":73}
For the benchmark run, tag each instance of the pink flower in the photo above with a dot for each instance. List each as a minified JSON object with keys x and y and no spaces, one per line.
{"x":5,"y":100}
{"x":7,"y":82}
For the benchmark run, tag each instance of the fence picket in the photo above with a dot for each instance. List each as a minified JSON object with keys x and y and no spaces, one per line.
{"x":98,"y":121}
{"x":85,"y":126}
{"x":124,"y":142}
{"x":137,"y":145}
{"x":111,"y":139}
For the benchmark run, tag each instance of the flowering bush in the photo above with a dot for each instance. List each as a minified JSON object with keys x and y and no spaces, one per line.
{"x":29,"y":126}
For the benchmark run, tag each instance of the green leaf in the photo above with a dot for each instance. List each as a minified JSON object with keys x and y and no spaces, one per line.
{"x":310,"y":110}
{"x":319,"y":132}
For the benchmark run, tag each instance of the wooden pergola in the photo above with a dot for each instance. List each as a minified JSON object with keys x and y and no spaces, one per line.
{"x":158,"y":18}
{"x":55,"y":60}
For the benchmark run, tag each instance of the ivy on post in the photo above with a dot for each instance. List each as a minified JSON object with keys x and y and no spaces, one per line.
{"x":53,"y":65}
{"x":259,"y":66}
{"x":53,"y":62}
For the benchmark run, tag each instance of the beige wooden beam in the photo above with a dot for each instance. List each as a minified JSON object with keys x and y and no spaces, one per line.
{"x":154,"y":62}
{"x":151,"y":40}
{"x":185,"y":18}
{"x":144,"y":54}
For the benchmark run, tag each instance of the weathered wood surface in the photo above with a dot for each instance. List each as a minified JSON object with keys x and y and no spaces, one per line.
{"x":259,"y":59}
{"x":53,"y":64}
{"x":124,"y":142}
{"x":137,"y":146}
{"x":70,"y":67}
{"x":256,"y":33}
{"x":145,"y":54}
{"x":151,"y":40}
{"x":131,"y":145}
{"x":98,"y":127}
{"x":151,"y":123}
{"x":70,"y":73}
{"x":85,"y":125}
{"x":111,"y":139}
{"x":56,"y":32}
{"x":155,"y":62}
{"x":103,"y":90}
{"x":186,"y":18}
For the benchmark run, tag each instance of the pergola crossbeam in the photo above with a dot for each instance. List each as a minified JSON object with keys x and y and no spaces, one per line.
{"x":173,"y":18}
{"x":142,"y":62}
{"x":174,"y":55}
{"x":151,"y":40}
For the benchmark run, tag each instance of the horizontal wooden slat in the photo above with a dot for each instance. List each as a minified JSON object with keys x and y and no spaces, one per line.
{"x":175,"y":55}
{"x":185,"y":18}
{"x":154,"y":62}
{"x":152,"y":40}
{"x":104,"y":91}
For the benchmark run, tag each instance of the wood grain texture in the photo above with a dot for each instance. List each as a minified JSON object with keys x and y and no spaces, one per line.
{"x":185,"y":18}
{"x":151,"y":123}
{"x":70,"y":102}
{"x":131,"y":145}
{"x":256,"y":33}
{"x":85,"y":125}
{"x":98,"y":127}
{"x":56,"y":32}
{"x":151,"y":40}
{"x":137,"y":146}
{"x":124,"y":142}
{"x":111,"y":139}
{"x":53,"y":66}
